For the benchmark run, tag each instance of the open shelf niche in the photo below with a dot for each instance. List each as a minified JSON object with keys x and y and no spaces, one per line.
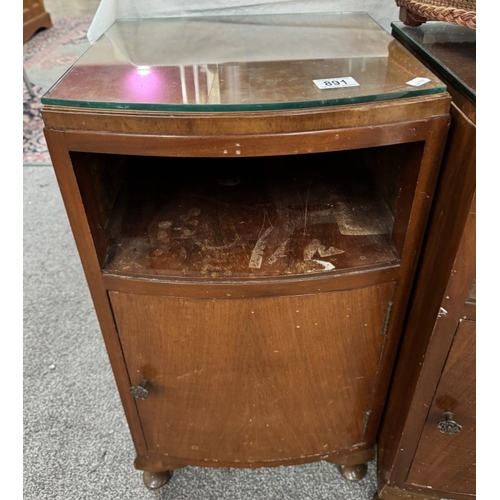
{"x":244,"y":218}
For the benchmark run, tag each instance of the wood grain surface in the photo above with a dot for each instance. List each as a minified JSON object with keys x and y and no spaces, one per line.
{"x":257,"y":380}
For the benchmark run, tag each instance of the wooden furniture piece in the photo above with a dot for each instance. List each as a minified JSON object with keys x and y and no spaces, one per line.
{"x":35,"y":18}
{"x":427,"y":442}
{"x":249,"y":236}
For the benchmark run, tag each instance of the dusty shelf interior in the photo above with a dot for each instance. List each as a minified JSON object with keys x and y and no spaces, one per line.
{"x":243,"y":218}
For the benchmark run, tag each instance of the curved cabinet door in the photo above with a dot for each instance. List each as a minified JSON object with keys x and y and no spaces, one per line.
{"x":249,"y":382}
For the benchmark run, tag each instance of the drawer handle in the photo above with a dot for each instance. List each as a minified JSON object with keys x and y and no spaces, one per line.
{"x":448,"y":425}
{"x":140,"y":391}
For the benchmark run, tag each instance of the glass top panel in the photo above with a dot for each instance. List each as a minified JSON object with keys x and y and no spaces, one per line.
{"x":233,"y":63}
{"x":448,"y":48}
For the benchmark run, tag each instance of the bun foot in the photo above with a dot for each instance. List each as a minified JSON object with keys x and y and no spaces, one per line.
{"x":155,"y":480}
{"x":353,"y":472}
{"x":410,"y":18}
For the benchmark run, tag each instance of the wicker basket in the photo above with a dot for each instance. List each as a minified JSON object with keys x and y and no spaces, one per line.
{"x":461,"y":12}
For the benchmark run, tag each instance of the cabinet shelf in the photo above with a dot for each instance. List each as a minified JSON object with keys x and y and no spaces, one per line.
{"x":242,"y":219}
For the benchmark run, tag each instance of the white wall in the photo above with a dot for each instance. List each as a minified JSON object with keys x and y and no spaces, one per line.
{"x":383,"y":11}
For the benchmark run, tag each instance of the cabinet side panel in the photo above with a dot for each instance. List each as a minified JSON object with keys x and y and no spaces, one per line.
{"x":99,"y":181}
{"x":401,"y":424}
{"x":86,"y":246}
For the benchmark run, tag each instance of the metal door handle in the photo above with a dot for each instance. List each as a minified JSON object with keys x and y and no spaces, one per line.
{"x":448,"y":425}
{"x":140,"y":391}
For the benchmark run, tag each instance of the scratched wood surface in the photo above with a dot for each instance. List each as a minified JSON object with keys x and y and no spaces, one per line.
{"x":247,"y":218}
{"x":242,"y":382}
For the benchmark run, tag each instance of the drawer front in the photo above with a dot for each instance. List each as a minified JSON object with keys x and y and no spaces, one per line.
{"x":254,"y":380}
{"x":446,"y":461}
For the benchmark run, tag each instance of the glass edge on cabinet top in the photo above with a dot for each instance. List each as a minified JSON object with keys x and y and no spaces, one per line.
{"x":242,"y":63}
{"x":449,"y":49}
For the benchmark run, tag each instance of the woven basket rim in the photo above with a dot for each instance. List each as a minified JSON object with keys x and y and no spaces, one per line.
{"x":468,"y":5}
{"x":443,"y":10}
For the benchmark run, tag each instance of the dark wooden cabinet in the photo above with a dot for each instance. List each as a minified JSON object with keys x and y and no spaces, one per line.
{"x":427,"y":444}
{"x":250,"y":267}
{"x":35,"y":17}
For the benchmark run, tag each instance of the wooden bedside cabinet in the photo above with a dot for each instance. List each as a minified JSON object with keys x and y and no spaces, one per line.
{"x":427,"y":444}
{"x":249,"y":235}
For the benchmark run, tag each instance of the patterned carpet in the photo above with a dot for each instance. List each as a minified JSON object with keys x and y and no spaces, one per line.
{"x":47,"y":55}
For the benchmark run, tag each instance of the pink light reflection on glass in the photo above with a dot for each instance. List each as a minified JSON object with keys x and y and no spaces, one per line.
{"x":144,"y":84}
